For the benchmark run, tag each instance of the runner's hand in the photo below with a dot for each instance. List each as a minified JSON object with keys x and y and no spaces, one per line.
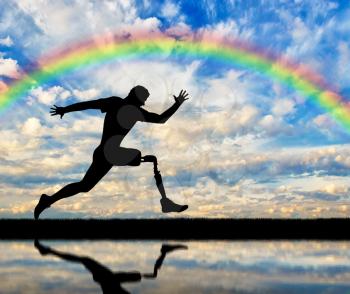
{"x":57,"y":110}
{"x":182,"y":97}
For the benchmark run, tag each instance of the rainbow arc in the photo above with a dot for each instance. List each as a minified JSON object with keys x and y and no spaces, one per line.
{"x":234,"y":52}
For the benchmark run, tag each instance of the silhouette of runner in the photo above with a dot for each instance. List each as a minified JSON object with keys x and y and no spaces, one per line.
{"x":121,"y":116}
{"x":109,"y":281}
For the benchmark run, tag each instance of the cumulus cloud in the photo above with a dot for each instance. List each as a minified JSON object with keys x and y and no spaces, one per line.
{"x":60,"y":21}
{"x":179,"y":30}
{"x":283,"y":107}
{"x":8,"y":42}
{"x":225,"y":152}
{"x":51,"y":95}
{"x":86,"y":94}
{"x":9,"y":68}
{"x":165,"y":80}
{"x":32,"y":127}
{"x":323,"y":121}
{"x":274,"y":124}
{"x":48,"y":25}
{"x":213,"y":152}
{"x":170,"y":9}
{"x":150,"y":25}
{"x":334,"y":189}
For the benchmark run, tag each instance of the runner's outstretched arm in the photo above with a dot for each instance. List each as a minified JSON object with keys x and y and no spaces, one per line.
{"x":162,"y":118}
{"x":58,"y":110}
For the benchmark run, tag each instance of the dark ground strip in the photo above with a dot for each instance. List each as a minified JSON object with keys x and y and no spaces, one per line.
{"x":176,"y":229}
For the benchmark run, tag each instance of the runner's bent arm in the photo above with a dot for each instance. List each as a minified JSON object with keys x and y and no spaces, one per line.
{"x":162,"y":118}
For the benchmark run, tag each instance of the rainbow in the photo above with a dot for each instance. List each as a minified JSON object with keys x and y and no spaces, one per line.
{"x":142,"y":45}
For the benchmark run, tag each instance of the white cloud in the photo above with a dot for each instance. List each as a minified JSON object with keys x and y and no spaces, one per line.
{"x":322,"y":8}
{"x":223,"y":29}
{"x":146,"y":4}
{"x":223,"y":129}
{"x":150,"y":24}
{"x":51,"y":95}
{"x":164,"y":80}
{"x":343,"y":158}
{"x":273,"y":125}
{"x":9,"y":68}
{"x":58,"y":23}
{"x":57,"y":19}
{"x":343,"y":64}
{"x":86,"y":94}
{"x":306,"y":39}
{"x":282,"y":107}
{"x":15,"y":146}
{"x":170,"y":9}
{"x":247,"y":115}
{"x":300,"y":31}
{"x":181,"y":30}
{"x":207,"y":196}
{"x":32,"y":127}
{"x":6,"y":42}
{"x":323,"y":121}
{"x":227,"y":30}
{"x":335,"y":189}
{"x":226,"y":91}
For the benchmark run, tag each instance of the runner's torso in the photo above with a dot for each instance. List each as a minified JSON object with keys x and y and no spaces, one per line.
{"x":120,"y":118}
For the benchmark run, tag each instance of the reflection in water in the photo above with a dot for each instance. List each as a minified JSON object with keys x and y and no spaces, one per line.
{"x":109,"y":281}
{"x":220,"y":267}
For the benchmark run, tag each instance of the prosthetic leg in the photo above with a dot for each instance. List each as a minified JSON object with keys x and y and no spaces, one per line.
{"x":167,"y":204}
{"x":164,"y":251}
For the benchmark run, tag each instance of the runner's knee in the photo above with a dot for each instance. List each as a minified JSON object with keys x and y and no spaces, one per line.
{"x":150,"y":158}
{"x":153,"y":159}
{"x":85,"y":186}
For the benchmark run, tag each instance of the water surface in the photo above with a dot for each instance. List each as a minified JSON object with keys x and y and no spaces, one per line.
{"x":204,"y":267}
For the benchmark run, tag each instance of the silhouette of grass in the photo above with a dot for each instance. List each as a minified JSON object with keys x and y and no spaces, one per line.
{"x":176,"y":228}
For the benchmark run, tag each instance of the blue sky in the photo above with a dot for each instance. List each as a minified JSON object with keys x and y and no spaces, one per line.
{"x":242,"y":146}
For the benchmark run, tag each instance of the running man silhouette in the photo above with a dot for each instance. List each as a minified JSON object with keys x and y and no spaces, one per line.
{"x":110,"y":282}
{"x":121,"y":116}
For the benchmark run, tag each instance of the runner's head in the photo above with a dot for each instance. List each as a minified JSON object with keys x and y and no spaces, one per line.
{"x":138,"y":95}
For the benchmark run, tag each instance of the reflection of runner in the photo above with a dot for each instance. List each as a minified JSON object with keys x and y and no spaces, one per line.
{"x":121,"y":116}
{"x":109,"y":281}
